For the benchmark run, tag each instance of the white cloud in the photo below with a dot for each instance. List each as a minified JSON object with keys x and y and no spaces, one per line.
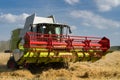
{"x":10,"y":18}
{"x":73,"y":27}
{"x":71,"y":2}
{"x":93,"y":20}
{"x":106,"y":5}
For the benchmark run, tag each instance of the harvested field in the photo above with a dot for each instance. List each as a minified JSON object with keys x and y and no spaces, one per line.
{"x":107,"y":68}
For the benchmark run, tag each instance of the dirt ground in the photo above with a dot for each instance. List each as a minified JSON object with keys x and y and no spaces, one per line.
{"x":107,"y":68}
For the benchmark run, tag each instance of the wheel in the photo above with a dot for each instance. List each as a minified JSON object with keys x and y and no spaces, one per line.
{"x":11,"y":64}
{"x":34,"y":68}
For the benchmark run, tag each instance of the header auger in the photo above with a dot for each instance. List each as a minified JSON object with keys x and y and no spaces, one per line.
{"x":43,"y":41}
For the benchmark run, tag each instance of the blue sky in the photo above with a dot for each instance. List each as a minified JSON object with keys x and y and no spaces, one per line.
{"x":86,"y":17}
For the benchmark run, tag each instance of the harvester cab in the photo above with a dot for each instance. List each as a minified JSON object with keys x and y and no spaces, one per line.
{"x":43,"y":41}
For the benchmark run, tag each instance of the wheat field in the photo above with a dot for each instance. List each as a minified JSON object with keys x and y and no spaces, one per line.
{"x":107,"y":68}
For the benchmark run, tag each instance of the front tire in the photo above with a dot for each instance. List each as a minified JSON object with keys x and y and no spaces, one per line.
{"x":11,"y":64}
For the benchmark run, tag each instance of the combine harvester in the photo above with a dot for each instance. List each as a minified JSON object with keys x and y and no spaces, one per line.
{"x":43,"y":41}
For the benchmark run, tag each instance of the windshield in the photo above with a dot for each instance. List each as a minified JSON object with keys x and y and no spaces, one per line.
{"x":50,"y":29}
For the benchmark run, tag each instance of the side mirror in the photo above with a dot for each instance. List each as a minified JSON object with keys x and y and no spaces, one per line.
{"x":70,"y":30}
